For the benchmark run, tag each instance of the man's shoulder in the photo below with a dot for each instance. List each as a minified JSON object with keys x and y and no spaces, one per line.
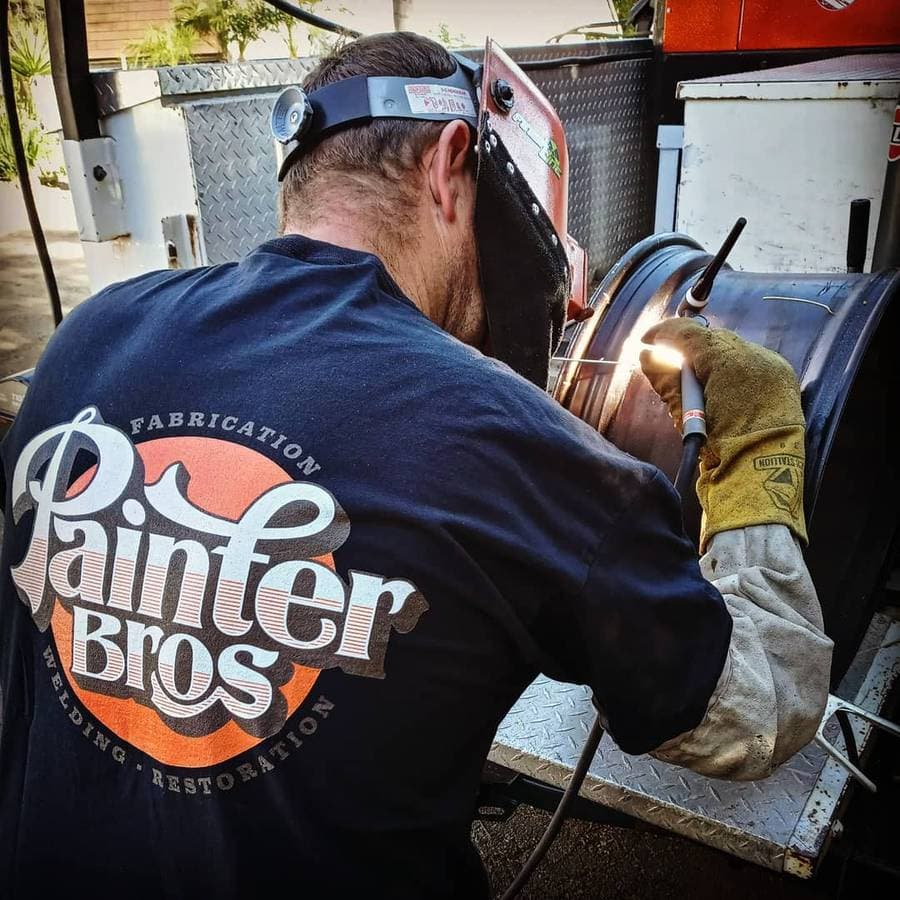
{"x":117,"y":297}
{"x":492,"y":405}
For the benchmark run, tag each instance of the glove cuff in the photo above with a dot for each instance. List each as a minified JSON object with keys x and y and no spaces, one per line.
{"x":753,"y":479}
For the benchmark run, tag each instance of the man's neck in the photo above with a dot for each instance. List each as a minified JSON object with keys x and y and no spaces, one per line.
{"x":403,"y":265}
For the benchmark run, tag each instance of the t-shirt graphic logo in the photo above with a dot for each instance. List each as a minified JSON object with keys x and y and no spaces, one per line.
{"x":189,"y":585}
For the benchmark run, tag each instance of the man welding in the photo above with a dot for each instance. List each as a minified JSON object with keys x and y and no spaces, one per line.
{"x":284,"y":540}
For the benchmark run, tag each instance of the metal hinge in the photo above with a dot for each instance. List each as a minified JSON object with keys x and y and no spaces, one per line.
{"x":96,"y":188}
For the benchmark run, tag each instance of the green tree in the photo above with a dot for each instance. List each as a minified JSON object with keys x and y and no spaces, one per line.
{"x":321,"y":42}
{"x":29,"y":57}
{"x":228,"y":21}
{"x":33,"y":139}
{"x":290,"y":25}
{"x":622,"y":8}
{"x":162,"y":45}
{"x":451,"y":41}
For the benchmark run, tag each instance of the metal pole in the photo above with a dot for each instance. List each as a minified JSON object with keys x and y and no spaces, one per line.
{"x":858,"y":235}
{"x":886,"y":254}
{"x":67,"y":37}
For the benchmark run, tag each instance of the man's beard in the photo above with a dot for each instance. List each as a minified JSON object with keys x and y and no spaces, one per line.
{"x":465,"y":318}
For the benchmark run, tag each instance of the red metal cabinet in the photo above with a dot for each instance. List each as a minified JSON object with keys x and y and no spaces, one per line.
{"x":696,"y":26}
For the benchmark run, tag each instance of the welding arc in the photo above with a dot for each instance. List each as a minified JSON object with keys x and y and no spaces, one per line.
{"x":15,"y":137}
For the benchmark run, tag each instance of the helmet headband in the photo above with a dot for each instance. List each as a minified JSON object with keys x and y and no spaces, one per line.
{"x":300,"y":120}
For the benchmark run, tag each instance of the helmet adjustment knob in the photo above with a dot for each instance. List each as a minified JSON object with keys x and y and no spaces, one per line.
{"x":503,"y":94}
{"x":292,"y":114}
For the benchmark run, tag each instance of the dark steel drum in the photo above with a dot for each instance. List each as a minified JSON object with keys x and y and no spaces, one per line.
{"x":841,"y":335}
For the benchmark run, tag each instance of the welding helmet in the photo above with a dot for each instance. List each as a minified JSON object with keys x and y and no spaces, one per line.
{"x":533,"y":274}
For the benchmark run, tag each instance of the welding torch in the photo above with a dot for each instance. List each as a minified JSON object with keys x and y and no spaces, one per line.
{"x":693,"y":404}
{"x":693,"y":436}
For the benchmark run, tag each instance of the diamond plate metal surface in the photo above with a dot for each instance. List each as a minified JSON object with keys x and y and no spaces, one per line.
{"x":230,"y":77}
{"x":772,"y":823}
{"x":233,"y":159}
{"x":602,"y":104}
{"x":118,"y":90}
{"x":612,"y":152}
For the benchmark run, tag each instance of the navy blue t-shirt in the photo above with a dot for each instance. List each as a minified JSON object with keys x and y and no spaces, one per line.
{"x":279,"y":555}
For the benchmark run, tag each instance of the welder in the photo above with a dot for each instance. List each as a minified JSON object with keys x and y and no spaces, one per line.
{"x":234,"y":662}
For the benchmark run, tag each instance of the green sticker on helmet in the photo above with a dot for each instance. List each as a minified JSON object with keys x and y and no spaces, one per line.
{"x":550,"y":155}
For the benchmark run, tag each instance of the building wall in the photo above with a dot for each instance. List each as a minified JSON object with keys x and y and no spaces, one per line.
{"x":113,"y":24}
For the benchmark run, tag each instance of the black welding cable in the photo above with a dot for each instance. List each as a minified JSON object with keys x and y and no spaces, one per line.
{"x":684,"y":483}
{"x":15,"y":134}
{"x":687,"y":470}
{"x":559,"y":816}
{"x":311,"y":19}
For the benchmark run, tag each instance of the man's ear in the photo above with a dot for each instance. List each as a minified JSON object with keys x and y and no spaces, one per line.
{"x":447,"y":167}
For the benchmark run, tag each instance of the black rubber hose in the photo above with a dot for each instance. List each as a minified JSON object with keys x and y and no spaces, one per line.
{"x":15,"y":133}
{"x":684,"y":482}
{"x":687,"y":470}
{"x":559,"y":816}
{"x":311,"y":19}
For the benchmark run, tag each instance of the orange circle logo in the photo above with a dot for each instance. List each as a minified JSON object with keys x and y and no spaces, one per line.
{"x":190,"y":588}
{"x":250,"y":474}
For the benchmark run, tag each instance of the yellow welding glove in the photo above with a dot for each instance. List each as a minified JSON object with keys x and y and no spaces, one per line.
{"x":751,"y":468}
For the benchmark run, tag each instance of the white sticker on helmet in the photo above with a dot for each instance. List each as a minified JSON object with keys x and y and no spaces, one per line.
{"x":439,"y":98}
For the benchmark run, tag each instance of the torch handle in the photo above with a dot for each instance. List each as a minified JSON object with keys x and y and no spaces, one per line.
{"x":693,"y":406}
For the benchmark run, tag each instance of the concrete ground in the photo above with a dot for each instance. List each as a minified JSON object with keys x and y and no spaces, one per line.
{"x":590,"y":861}
{"x":587,"y":860}
{"x":26,"y":322}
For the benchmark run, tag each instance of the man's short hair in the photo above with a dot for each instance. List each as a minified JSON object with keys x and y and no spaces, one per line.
{"x":382,"y":149}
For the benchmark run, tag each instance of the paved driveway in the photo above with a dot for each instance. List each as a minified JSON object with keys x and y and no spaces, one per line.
{"x":25,"y":319}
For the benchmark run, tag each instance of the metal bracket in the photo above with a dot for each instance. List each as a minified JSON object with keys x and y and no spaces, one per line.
{"x":182,"y":241}
{"x":842,"y":710}
{"x":669,"y":141}
{"x":96,"y":188}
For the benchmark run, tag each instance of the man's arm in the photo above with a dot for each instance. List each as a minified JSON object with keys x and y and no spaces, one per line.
{"x":773,"y":687}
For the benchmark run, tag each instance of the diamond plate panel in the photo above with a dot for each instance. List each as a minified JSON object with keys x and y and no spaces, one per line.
{"x":768,"y":822}
{"x":603,"y":105}
{"x":233,"y":157}
{"x":118,"y":90}
{"x":612,"y":152}
{"x":543,"y":735}
{"x":227,"y":77}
